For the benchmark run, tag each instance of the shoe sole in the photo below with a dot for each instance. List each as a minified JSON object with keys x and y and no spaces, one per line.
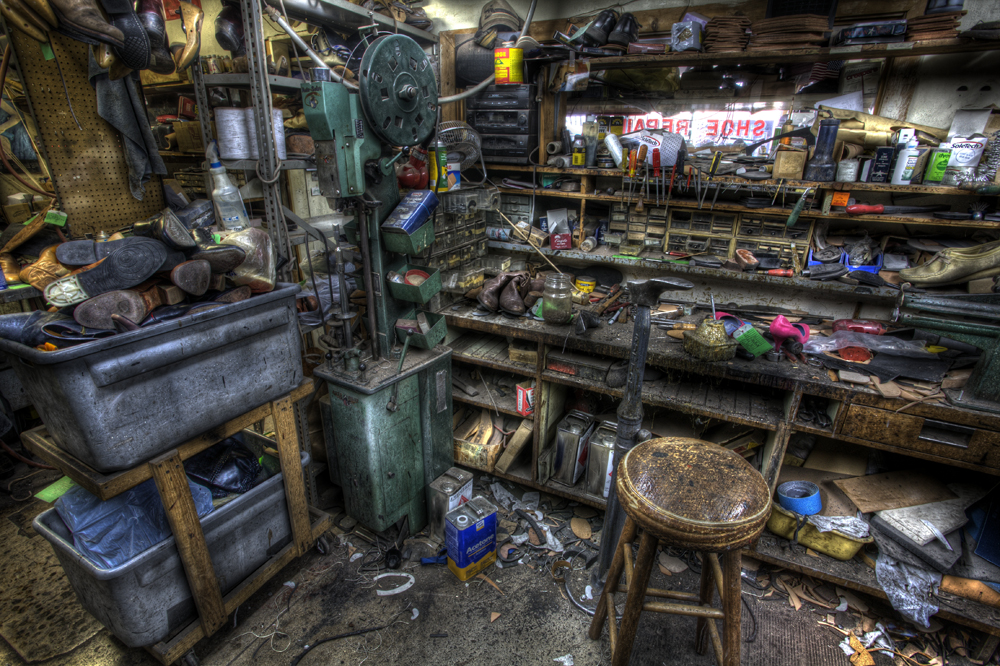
{"x":96,"y":312}
{"x":223,"y":258}
{"x":192,"y":276}
{"x":126,"y":267}
{"x":86,"y":252}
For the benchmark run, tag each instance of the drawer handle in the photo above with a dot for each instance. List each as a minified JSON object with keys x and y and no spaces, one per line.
{"x":949,"y":434}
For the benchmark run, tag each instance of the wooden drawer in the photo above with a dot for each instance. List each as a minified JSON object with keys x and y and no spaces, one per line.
{"x":924,"y":437}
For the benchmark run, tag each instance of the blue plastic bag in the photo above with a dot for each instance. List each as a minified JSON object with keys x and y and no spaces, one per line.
{"x":110,"y":533}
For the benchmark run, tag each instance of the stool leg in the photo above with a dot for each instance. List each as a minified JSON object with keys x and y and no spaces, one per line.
{"x":705,"y":598}
{"x":731,"y":606}
{"x":635,"y":600}
{"x":611,"y":582}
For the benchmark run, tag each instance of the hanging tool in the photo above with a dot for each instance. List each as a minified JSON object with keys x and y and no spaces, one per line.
{"x":656,"y":173}
{"x":863,"y":209}
{"x":777,"y":190}
{"x":794,"y":215}
{"x":640,"y":159}
{"x":716,"y":161}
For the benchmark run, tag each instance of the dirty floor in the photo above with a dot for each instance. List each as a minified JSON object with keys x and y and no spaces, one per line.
{"x":519,"y":616}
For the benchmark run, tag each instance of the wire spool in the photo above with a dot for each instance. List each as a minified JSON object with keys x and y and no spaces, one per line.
{"x":398,"y":90}
{"x":234,"y":140}
{"x":278,"y":121}
{"x":251,"y":121}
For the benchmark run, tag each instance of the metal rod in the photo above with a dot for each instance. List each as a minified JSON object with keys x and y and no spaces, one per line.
{"x":275,"y":16}
{"x":367,"y":273}
{"x":535,"y":247}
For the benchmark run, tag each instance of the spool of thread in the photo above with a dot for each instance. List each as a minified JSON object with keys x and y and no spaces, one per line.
{"x":234,"y":141}
{"x":279,"y":133}
{"x":554,"y":147}
{"x":801,"y":497}
{"x":251,"y":121}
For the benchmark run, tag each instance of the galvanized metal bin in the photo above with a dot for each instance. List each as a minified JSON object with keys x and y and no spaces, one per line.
{"x":117,"y":402}
{"x":147,"y":598}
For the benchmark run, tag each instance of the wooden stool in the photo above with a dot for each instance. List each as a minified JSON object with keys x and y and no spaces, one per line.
{"x":694,"y":495}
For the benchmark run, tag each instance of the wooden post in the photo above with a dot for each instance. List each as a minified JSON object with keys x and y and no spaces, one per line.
{"x":731,"y":562}
{"x":171,"y":481}
{"x":282,"y":410}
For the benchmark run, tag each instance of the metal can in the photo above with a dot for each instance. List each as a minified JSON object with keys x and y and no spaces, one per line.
{"x":600,"y":459}
{"x":509,"y":65}
{"x":585,"y":283}
{"x":572,"y":435}
{"x":447,"y":492}
{"x":471,"y":537}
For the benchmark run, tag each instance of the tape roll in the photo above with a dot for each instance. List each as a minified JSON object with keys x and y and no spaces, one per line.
{"x":554,"y":147}
{"x":801,"y":497}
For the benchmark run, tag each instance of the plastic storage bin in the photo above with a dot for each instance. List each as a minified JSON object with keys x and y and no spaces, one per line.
{"x":428,"y":340}
{"x":147,"y":598}
{"x":416,"y":294}
{"x":117,"y":402}
{"x":414,"y":243}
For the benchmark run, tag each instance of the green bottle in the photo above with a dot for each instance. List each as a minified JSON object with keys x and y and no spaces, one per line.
{"x":441,"y":150}
{"x":937,"y":163}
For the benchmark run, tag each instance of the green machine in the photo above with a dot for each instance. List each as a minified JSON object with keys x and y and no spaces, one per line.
{"x":390,"y":402}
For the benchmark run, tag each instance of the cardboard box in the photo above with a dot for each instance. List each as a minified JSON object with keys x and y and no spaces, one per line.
{"x":518,"y":441}
{"x":526,"y":398}
{"x":17,"y":213}
{"x":189,"y":136}
{"x":789,"y":164}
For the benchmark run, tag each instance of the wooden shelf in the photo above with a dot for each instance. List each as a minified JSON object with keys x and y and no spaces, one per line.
{"x":505,"y":404}
{"x":858,"y":576}
{"x":845,"y":187}
{"x":488,"y":351}
{"x":179,"y":86}
{"x":814,"y":54}
{"x":604,"y":255}
{"x":174,"y":153}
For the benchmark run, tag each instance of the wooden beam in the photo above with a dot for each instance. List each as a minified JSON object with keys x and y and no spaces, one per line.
{"x":287,"y":437}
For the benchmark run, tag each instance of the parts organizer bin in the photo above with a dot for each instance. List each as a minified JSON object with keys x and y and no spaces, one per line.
{"x":144,"y":600}
{"x":117,"y":402}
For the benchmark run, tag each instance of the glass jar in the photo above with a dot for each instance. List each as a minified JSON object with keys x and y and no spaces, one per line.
{"x":557,"y":299}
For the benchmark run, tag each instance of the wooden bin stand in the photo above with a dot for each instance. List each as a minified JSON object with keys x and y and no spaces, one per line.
{"x":167,"y":471}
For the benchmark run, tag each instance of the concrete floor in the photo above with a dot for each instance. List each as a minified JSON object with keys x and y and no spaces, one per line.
{"x":439,"y":620}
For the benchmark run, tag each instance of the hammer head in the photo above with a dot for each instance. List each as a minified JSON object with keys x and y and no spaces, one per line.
{"x":646,"y":292}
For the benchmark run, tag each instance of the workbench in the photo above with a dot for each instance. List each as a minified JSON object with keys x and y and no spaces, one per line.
{"x":757,"y":393}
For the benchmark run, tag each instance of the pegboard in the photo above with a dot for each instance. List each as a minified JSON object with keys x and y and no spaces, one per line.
{"x":91,"y":177}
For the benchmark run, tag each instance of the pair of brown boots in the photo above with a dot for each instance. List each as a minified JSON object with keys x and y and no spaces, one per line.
{"x":512,"y":292}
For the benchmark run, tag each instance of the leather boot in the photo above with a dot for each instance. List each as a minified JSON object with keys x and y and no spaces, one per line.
{"x":11,"y":268}
{"x":229,"y":30}
{"x":489,"y":297}
{"x":46,"y":270}
{"x":154,"y":21}
{"x":135,"y":53}
{"x":192,"y":18}
{"x":82,"y":19}
{"x":626,"y":31}
{"x":597,"y":33}
{"x":124,"y":268}
{"x":166,"y":228}
{"x":510,"y":298}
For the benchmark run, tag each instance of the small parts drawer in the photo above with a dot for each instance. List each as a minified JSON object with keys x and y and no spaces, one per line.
{"x":920,"y":435}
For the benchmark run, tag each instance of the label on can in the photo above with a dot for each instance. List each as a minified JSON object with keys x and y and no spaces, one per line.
{"x":471,"y":537}
{"x":937,"y":165}
{"x":585,"y":284}
{"x":579,"y":157}
{"x":509,"y":65}
{"x":617,"y":125}
{"x":454,"y":176}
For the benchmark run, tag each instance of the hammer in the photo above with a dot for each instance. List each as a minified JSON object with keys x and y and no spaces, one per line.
{"x":644,"y":295}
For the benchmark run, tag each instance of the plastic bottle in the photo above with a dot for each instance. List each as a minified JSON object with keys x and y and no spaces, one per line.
{"x":937,"y":163}
{"x":230,"y":212}
{"x":905,"y":163}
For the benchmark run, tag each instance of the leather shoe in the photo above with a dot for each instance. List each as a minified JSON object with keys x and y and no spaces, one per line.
{"x":597,"y":33}
{"x":956,"y":265}
{"x":166,"y":228}
{"x":154,"y":21}
{"x":626,"y":31}
{"x":135,"y":53}
{"x":46,"y":270}
{"x":96,"y":312}
{"x":192,"y":276}
{"x":169,"y":312}
{"x":489,"y":297}
{"x":510,"y":298}
{"x":124,"y":268}
{"x":82,"y":19}
{"x":11,"y":269}
{"x":229,"y":30}
{"x":38,"y":327}
{"x":223,"y":258}
{"x":192,"y":18}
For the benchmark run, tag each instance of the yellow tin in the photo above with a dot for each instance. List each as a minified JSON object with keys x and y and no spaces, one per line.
{"x":585,"y":284}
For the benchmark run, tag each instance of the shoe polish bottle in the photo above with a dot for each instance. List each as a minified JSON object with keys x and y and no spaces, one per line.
{"x":230,"y":214}
{"x":906,"y":162}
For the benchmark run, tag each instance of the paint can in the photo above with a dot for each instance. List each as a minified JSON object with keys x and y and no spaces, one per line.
{"x":600,"y":459}
{"x":231,"y":125}
{"x":572,"y":437}
{"x":447,"y":492}
{"x":509,"y":65}
{"x":471,"y":537}
{"x":585,"y":283}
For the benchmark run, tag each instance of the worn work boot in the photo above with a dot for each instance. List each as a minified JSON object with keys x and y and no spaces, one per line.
{"x":192,"y":18}
{"x":96,"y":312}
{"x":46,"y":270}
{"x":597,"y":33}
{"x":135,"y":52}
{"x":626,"y":31}
{"x":489,"y":297}
{"x":510,"y":298}
{"x":956,"y":265}
{"x":192,"y":276}
{"x":124,"y":268}
{"x":154,"y":21}
{"x":82,"y":19}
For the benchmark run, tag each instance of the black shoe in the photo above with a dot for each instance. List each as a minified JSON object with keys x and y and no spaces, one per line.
{"x":229,"y":30}
{"x":154,"y":22}
{"x":126,"y":267}
{"x":135,"y":51}
{"x":626,"y":31}
{"x":166,"y":228}
{"x":223,"y":258}
{"x":86,"y":252}
{"x":597,"y":33}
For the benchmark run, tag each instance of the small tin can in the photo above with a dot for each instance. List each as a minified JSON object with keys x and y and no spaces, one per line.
{"x":471,"y":537}
{"x":411,"y":213}
{"x":447,"y":492}
{"x":572,"y":436}
{"x":585,"y":283}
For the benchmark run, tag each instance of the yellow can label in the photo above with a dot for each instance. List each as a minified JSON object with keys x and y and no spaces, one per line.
{"x":508,"y":65}
{"x":579,"y":158}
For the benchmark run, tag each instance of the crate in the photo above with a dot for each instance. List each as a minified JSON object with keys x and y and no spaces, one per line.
{"x":147,"y":598}
{"x":429,"y":340}
{"x":416,"y":294}
{"x":117,"y":402}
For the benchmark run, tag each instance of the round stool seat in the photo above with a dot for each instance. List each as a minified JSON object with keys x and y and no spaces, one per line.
{"x":693,"y":493}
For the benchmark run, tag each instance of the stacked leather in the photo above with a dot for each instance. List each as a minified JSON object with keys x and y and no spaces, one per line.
{"x":726,"y":33}
{"x":788,"y":32}
{"x":933,"y":26}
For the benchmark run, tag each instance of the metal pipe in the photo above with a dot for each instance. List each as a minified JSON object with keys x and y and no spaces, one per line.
{"x":362,"y":215}
{"x":275,"y":16}
{"x":485,"y":82}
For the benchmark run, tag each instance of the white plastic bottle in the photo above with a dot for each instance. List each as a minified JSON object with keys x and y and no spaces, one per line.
{"x":906,"y":163}
{"x":230,"y":213}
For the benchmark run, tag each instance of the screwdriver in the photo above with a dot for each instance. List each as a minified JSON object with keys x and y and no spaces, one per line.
{"x":641,"y":159}
{"x":677,"y":326}
{"x":656,"y":173}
